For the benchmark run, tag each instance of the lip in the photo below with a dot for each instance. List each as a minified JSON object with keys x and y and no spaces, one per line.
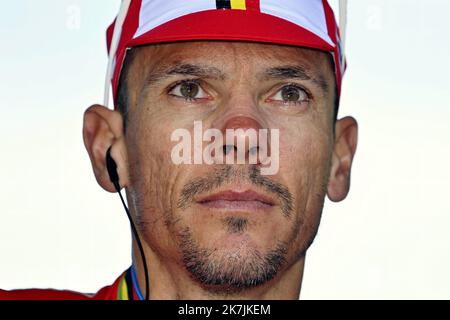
{"x":248,"y":200}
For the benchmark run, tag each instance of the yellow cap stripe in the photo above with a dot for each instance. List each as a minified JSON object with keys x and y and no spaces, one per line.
{"x":238,"y":4}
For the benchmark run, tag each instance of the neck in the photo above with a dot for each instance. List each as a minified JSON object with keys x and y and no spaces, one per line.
{"x":170,"y":281}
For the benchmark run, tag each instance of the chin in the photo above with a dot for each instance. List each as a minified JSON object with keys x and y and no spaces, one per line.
{"x":232,"y":259}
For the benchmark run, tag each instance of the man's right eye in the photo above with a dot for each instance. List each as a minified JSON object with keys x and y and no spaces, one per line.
{"x":188,"y":90}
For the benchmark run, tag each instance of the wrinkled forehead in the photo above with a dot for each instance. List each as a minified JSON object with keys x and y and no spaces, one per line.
{"x":228,"y":57}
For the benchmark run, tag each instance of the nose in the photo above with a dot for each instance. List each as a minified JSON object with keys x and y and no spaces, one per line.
{"x":245,"y":140}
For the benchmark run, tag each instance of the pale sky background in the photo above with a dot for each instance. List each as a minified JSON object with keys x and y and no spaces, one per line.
{"x":389,"y":239}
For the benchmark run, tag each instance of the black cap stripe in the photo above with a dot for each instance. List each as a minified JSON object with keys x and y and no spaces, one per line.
{"x":223,"y":4}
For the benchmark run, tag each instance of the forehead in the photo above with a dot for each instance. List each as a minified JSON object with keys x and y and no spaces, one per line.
{"x":228,"y":55}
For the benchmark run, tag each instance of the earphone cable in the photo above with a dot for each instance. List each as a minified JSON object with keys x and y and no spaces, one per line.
{"x":138,"y":240}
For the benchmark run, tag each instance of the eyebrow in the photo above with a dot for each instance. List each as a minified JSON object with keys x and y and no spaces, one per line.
{"x":295,"y":72}
{"x":185,"y":69}
{"x":202,"y":71}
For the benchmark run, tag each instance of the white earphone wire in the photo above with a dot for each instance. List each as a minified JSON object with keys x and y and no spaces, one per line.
{"x":343,"y":23}
{"x":113,"y":49}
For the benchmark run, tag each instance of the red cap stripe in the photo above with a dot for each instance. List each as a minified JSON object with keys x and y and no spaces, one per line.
{"x":253,"y":5}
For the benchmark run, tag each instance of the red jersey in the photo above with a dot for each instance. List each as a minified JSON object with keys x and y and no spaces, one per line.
{"x":122,"y":289}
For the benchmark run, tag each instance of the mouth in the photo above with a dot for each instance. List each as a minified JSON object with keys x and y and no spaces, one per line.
{"x":234,"y":200}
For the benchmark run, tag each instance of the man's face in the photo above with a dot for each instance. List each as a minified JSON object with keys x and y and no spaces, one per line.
{"x":192,"y":214}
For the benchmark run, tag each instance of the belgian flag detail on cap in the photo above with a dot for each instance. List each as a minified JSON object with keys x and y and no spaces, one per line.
{"x":238,"y":4}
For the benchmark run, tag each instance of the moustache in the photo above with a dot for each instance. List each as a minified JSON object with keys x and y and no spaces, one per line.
{"x":229,"y":174}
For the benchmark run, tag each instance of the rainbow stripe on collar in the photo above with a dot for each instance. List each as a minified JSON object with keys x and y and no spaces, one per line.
{"x":128,"y":288}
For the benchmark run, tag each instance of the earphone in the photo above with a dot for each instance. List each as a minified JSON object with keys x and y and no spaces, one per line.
{"x":111,"y":166}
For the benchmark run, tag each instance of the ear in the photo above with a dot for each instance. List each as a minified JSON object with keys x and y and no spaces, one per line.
{"x":346,"y":134}
{"x":103,"y":128}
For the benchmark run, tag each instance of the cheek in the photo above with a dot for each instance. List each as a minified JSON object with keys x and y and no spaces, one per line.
{"x":304,"y":164}
{"x":153,"y":177}
{"x":304,"y":158}
{"x":151,"y":169}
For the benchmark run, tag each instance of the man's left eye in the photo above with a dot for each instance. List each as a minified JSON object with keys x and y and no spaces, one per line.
{"x":291,"y":93}
{"x":189,"y":90}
